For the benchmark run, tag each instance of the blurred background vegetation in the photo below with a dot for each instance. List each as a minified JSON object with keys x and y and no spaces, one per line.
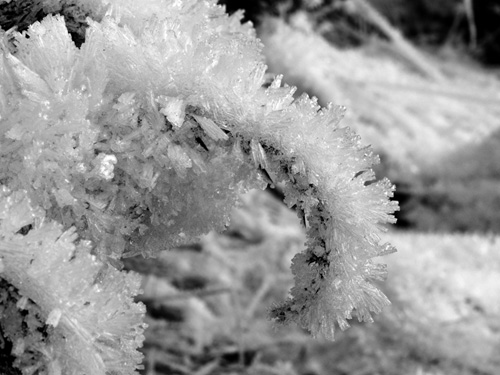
{"x":468,"y":25}
{"x":420,"y":82}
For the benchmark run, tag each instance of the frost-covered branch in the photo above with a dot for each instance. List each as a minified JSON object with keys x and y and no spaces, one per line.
{"x":144,"y":138}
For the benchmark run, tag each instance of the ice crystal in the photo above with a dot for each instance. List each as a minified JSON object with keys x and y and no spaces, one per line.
{"x":144,"y":138}
{"x":97,"y":326}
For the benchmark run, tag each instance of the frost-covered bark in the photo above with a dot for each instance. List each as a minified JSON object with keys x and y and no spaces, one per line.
{"x":144,"y":138}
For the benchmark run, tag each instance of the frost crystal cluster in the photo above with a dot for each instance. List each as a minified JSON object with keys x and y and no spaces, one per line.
{"x":143,"y":138}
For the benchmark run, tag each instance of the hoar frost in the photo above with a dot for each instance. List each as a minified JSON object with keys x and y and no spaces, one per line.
{"x":144,"y":138}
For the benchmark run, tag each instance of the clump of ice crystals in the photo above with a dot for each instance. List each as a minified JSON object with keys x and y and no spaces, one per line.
{"x":145,"y":137}
{"x":95,"y":325}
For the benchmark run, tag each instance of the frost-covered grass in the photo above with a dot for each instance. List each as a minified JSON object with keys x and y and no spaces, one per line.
{"x":141,"y":138}
{"x":444,"y":290}
{"x":438,"y":139}
{"x":443,"y":319}
{"x":394,"y":108}
{"x":444,"y":287}
{"x":446,"y":298}
{"x":209,"y":301}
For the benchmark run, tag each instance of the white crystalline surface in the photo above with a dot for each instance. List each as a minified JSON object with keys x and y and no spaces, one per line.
{"x":144,"y":138}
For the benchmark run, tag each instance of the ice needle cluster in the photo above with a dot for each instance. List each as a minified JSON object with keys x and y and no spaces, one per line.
{"x":143,"y":138}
